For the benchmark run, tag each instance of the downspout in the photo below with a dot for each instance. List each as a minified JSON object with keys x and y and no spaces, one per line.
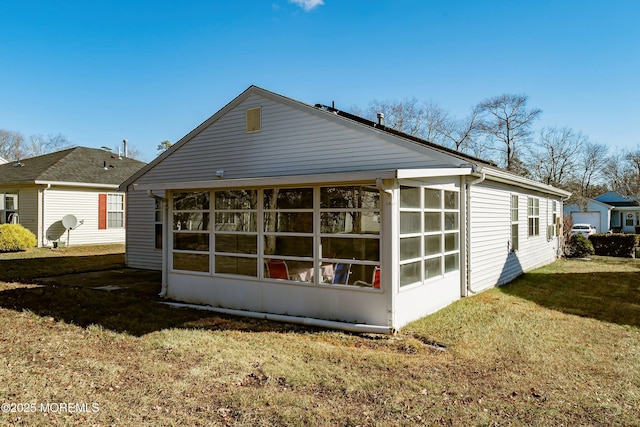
{"x":468,"y":226}
{"x":307,"y":321}
{"x":165,"y":239}
{"x":42,"y":223}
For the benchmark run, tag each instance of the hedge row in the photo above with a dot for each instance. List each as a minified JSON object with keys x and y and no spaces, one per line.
{"x":14,"y":238}
{"x":617,"y":245}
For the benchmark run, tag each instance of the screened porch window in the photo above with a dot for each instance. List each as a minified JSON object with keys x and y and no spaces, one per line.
{"x":317,"y":235}
{"x":429,"y":234}
{"x":191,"y":231}
{"x":236,"y":232}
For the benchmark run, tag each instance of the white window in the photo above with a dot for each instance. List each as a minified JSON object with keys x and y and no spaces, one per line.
{"x":515,"y":224}
{"x":533,"y":216}
{"x":115,"y":210}
{"x":429,"y":234}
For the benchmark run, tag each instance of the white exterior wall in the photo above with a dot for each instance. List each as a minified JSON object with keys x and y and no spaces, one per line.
{"x":322,"y":302}
{"x":492,"y":262}
{"x":83,"y":203}
{"x":141,"y":250}
{"x":415,"y":301}
{"x":292,"y":142}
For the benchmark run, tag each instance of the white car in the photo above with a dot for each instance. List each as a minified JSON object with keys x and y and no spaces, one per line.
{"x":585,"y":229}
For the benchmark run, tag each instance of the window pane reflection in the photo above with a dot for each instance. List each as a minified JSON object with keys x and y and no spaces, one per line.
{"x":410,"y":273}
{"x":361,"y":197}
{"x":288,"y":198}
{"x":191,"y":262}
{"x":409,"y":197}
{"x":191,"y":241}
{"x":236,"y":265}
{"x":350,"y":222}
{"x":288,"y":245}
{"x":236,"y":243}
{"x":296,"y":222}
{"x":351,"y":248}
{"x":410,"y":248}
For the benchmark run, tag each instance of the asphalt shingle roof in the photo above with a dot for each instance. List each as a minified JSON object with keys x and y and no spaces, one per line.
{"x":78,"y":164}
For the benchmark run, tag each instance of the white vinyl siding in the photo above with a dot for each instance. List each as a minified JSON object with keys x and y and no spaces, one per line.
{"x":83,"y":204}
{"x":492,"y":260}
{"x":291,"y":142}
{"x":141,"y":232}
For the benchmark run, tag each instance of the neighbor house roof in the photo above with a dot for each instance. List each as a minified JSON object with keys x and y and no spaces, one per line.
{"x":615,"y":199}
{"x":74,"y":165}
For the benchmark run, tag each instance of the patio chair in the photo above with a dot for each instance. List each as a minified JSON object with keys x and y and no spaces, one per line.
{"x":277,"y":269}
{"x":375,"y":279}
{"x":341,"y":274}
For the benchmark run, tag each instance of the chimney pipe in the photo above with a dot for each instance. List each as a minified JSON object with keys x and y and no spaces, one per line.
{"x":380,"y":118}
{"x":124,"y":142}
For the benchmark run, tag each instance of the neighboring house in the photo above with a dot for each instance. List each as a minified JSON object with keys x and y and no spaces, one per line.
{"x":39,"y":192}
{"x":608,"y":212}
{"x":593,"y":212}
{"x":282,"y":210}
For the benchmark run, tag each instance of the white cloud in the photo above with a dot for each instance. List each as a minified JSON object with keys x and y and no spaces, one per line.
{"x":307,"y":5}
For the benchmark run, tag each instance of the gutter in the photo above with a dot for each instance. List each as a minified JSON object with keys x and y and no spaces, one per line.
{"x":306,"y":321}
{"x":77,"y":184}
{"x":468,"y":288}
{"x":165,"y":240}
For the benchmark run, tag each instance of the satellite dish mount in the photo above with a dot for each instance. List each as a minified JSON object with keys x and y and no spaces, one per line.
{"x":70,"y":222}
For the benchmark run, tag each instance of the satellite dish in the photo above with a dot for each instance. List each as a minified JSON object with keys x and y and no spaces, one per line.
{"x":69,"y":221}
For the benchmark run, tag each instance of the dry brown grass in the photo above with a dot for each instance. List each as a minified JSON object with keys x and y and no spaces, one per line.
{"x":517,"y":355}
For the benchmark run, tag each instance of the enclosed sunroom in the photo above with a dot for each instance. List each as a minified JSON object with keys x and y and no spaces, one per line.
{"x":277,"y":209}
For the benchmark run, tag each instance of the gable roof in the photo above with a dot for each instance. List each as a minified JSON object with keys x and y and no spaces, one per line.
{"x":73,"y":165}
{"x":614,"y":199}
{"x":353,"y":121}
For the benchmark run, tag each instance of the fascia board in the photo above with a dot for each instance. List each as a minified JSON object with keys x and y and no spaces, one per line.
{"x":76,"y":184}
{"x":508,"y":178}
{"x":346,"y":177}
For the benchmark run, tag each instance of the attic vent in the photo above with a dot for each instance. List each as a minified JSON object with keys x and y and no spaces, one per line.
{"x":253,"y":119}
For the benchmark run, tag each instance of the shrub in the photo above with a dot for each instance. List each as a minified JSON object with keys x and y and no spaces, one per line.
{"x":618,"y":245}
{"x":580,"y":246}
{"x":14,"y":237}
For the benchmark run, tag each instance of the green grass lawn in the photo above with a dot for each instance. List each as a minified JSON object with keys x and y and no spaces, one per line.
{"x":559,"y":346}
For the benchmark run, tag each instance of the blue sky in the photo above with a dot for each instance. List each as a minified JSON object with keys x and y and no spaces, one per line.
{"x":101,"y":71}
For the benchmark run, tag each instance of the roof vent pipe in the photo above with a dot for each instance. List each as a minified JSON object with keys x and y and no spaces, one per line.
{"x":380,"y":118}
{"x":124,"y":143}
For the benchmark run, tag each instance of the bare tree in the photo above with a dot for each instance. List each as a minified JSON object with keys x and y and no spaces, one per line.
{"x":506,"y":123}
{"x":593,"y":161}
{"x":406,"y":116}
{"x":39,"y":145}
{"x":555,"y":159}
{"x":623,"y":172}
{"x":461,"y":134}
{"x":11,"y":145}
